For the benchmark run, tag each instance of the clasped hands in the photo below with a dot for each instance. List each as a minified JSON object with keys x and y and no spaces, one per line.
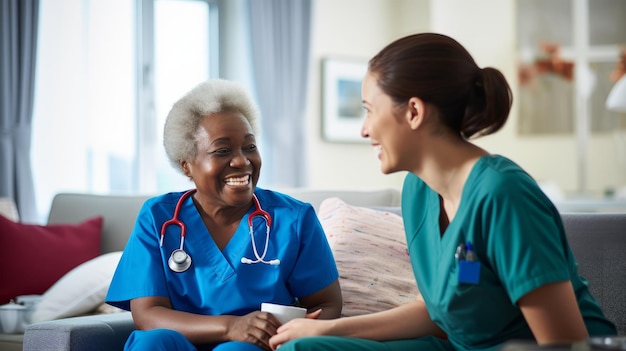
{"x":264,"y":330}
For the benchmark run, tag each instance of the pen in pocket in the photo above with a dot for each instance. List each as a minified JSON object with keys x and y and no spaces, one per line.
{"x":460,"y":252}
{"x":469,"y":251}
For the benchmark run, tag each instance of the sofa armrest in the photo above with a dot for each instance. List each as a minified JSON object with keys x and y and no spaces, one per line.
{"x":105,"y":332}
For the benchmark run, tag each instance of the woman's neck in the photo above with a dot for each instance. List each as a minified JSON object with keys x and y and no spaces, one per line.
{"x":446,"y":169}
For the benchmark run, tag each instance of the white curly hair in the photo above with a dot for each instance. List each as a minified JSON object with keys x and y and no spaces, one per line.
{"x":213,"y":96}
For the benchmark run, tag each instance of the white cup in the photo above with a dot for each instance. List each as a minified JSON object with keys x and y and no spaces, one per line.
{"x":283,"y":313}
{"x":12,"y":318}
{"x":30,"y":302}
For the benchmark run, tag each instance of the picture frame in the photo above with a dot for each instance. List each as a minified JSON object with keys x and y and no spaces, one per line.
{"x":342,"y":108}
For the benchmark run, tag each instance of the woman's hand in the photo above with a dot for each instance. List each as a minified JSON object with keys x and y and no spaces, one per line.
{"x":256,"y":328}
{"x":156,"y":312}
{"x":408,"y":321}
{"x":300,"y":327}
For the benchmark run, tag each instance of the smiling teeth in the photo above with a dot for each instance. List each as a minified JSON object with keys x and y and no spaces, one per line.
{"x":238,"y":181}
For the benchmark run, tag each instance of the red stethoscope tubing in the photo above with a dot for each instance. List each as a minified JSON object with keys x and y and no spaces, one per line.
{"x":175,"y":221}
{"x":257,"y":212}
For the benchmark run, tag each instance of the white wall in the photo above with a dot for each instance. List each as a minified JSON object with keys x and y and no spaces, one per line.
{"x":353,"y":29}
{"x":360,"y":28}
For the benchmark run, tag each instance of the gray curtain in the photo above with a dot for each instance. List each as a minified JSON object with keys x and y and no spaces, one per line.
{"x":280,"y":39}
{"x":18,"y":46}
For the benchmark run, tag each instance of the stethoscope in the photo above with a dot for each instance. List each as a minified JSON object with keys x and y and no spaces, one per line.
{"x":180,"y":260}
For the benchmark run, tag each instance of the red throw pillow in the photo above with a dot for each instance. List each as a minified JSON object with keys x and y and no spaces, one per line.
{"x":33,"y":257}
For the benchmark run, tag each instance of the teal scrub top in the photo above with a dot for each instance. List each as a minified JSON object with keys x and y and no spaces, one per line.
{"x":217,"y":283}
{"x":518,"y":243}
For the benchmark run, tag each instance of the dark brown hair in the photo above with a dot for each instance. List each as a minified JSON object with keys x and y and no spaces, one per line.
{"x":440,"y":71}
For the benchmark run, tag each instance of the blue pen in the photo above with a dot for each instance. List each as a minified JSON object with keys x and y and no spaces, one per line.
{"x":469,"y":254}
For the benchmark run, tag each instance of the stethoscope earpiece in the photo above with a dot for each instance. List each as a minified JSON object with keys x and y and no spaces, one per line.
{"x":246,"y":260}
{"x":179,"y":261}
{"x":275,"y":262}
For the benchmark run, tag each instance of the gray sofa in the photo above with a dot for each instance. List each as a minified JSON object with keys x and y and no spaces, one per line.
{"x":109,"y":331}
{"x":597,"y":239}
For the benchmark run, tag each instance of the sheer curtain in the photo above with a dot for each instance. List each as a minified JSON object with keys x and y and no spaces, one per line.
{"x":280,"y":42}
{"x":18,"y":45}
{"x":103,"y":92}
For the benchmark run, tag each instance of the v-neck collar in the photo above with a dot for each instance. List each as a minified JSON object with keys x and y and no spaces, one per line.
{"x":203,"y":248}
{"x":437,"y":208}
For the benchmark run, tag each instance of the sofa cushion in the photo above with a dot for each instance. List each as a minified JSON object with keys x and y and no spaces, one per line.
{"x":33,"y":257}
{"x":370,"y":250}
{"x":80,"y":291}
{"x":598,"y":241}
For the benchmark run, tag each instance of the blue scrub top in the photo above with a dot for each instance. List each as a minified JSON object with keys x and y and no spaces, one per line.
{"x":217,"y":283}
{"x":519,"y":244}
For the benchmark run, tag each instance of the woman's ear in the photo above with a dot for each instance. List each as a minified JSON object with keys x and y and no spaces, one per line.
{"x":416,"y":111}
{"x":185,"y":167}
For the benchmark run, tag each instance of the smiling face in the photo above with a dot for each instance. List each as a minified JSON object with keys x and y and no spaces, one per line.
{"x":227,"y":165}
{"x":385,"y":126}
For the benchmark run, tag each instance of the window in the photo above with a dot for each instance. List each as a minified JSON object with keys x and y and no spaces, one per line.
{"x":567,"y":51}
{"x":587,"y":36}
{"x":184,"y":55}
{"x":107,"y":73}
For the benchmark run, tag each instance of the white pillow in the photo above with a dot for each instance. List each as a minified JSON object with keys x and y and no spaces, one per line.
{"x":81,"y":290}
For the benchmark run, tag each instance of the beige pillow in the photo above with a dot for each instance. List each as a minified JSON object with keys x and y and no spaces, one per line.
{"x":370,"y":250}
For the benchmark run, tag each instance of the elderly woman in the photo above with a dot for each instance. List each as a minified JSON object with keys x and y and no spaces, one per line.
{"x":199,"y":263}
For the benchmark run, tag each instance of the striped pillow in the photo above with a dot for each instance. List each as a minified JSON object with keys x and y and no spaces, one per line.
{"x":370,"y":250}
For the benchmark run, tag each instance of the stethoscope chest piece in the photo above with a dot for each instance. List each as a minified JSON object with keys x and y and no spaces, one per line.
{"x":179,"y":261}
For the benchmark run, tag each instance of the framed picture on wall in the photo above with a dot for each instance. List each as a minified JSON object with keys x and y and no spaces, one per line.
{"x":342,"y":108}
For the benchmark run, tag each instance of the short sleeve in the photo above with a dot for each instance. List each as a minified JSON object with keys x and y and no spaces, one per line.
{"x":315,"y":266}
{"x":524,"y":235}
{"x":140,"y":270}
